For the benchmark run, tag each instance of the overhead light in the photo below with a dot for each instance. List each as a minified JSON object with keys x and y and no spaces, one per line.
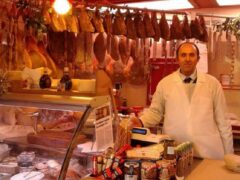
{"x":228,"y":2}
{"x":62,"y":6}
{"x":161,"y":5}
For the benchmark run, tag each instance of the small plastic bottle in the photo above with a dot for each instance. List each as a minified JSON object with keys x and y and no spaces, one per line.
{"x":66,"y":81}
{"x":45,"y":80}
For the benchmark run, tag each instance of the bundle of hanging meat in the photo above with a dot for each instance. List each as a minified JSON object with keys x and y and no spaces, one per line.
{"x":140,"y":27}
{"x":137,"y":70}
{"x":107,"y":23}
{"x":37,"y":58}
{"x":204,"y":36}
{"x":85,"y":21}
{"x":97,"y":22}
{"x":156,"y":27}
{"x":119,"y":26}
{"x":58,"y":22}
{"x":56,"y":47}
{"x":186,"y":28}
{"x":176,"y":28}
{"x":130,"y":25}
{"x":100,"y":48}
{"x":72,"y":23}
{"x":115,"y":48}
{"x":164,"y":27}
{"x":125,"y":51}
{"x":148,"y":25}
{"x":83,"y":60}
{"x":196,"y":28}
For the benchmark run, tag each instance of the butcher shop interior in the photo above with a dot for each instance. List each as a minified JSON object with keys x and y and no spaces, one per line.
{"x":119,"y":89}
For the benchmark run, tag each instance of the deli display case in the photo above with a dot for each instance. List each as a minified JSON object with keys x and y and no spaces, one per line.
{"x":52,"y":144}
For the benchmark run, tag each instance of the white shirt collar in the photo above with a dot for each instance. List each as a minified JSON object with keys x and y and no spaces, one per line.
{"x":192,"y":76}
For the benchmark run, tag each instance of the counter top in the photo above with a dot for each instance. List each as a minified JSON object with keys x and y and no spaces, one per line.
{"x":211,"y":169}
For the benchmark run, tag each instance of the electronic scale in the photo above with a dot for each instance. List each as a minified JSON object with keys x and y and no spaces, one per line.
{"x":143,"y":137}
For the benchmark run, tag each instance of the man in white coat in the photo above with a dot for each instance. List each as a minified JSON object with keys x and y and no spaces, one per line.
{"x":192,"y":106}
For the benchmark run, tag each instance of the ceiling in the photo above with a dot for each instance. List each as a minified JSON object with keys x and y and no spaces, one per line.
{"x":197,"y":4}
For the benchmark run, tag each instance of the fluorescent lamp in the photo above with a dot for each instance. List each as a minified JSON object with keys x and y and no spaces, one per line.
{"x":228,"y":2}
{"x":161,"y":5}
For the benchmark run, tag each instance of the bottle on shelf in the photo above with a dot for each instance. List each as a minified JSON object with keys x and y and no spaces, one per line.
{"x":66,"y":81}
{"x":45,"y":80}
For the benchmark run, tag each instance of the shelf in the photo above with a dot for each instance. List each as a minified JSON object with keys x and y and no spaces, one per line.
{"x":52,"y":101}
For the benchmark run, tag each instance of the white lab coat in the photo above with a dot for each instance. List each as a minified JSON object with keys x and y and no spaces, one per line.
{"x":200,"y":120}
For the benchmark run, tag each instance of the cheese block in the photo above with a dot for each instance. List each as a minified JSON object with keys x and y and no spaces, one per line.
{"x":150,"y":152}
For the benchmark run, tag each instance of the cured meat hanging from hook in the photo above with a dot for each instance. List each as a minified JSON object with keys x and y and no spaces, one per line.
{"x":100,"y":48}
{"x":98,"y":22}
{"x":164,"y":27}
{"x":196,"y":28}
{"x":119,"y":26}
{"x":107,"y":23}
{"x":156,"y":27}
{"x":186,"y":28}
{"x":85,"y":21}
{"x":176,"y":28}
{"x":148,"y":25}
{"x":115,"y":48}
{"x":204,"y":36}
{"x":140,"y":27}
{"x":131,"y":29}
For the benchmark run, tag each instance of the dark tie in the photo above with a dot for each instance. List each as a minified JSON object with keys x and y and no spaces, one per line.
{"x":187,"y":80}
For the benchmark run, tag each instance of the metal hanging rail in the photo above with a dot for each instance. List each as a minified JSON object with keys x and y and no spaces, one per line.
{"x":109,"y":5}
{"x":214,"y":16}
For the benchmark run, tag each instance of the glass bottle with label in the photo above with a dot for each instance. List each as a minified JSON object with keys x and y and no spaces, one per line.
{"x":66,"y":82}
{"x":169,"y":149}
{"x":45,"y":80}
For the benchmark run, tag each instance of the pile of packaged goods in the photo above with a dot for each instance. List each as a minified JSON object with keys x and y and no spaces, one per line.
{"x":172,"y":161}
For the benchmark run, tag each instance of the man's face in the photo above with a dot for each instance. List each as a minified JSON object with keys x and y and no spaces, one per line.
{"x":187,"y":59}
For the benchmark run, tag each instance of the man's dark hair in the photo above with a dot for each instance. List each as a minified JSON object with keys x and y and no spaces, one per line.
{"x":177,"y":51}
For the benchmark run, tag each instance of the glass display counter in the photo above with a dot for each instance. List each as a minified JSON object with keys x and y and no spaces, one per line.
{"x":58,"y":126}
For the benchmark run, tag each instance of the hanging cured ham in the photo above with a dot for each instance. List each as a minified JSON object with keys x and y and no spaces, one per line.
{"x":148,"y":25}
{"x":119,"y":26}
{"x":140,"y":27}
{"x":156,"y":27}
{"x":176,"y":28}
{"x":186,"y":28}
{"x":97,"y":22}
{"x":164,"y":27}
{"x":204,"y":35}
{"x":131,"y":29}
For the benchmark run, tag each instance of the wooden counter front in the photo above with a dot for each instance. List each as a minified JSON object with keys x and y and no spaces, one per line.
{"x":209,"y":169}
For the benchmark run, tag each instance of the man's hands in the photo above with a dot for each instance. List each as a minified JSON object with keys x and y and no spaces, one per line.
{"x":135,"y":122}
